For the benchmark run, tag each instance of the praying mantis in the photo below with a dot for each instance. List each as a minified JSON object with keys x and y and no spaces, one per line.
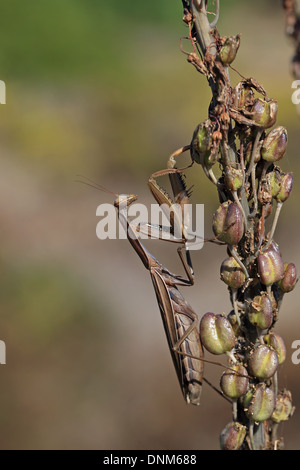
{"x":181,"y":323}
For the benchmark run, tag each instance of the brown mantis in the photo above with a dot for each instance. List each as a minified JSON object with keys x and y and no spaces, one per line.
{"x":181,"y":323}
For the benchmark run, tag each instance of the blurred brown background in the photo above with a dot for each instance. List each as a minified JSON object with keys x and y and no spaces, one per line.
{"x":101,"y":89}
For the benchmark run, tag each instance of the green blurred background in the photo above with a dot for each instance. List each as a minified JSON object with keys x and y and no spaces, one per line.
{"x":101,"y":89}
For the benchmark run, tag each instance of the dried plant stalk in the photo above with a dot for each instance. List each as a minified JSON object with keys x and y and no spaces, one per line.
{"x":239,"y":136}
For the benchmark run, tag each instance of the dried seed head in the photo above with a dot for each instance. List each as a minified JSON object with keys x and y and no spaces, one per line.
{"x":261,"y":312}
{"x":201,"y":143}
{"x":276,"y":342}
{"x":233,"y":178}
{"x":259,"y":403}
{"x":285,"y":187}
{"x":232,"y":436}
{"x":228,"y":223}
{"x":232,"y":273}
{"x":275,"y":144}
{"x":216,"y":333}
{"x":289,"y":280}
{"x":263,"y":362}
{"x":229,"y":50}
{"x":270,"y":265}
{"x":283,"y":407}
{"x":264,"y":112}
{"x":234,"y":385}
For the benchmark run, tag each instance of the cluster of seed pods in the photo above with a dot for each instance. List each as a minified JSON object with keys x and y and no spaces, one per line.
{"x":240,"y":136}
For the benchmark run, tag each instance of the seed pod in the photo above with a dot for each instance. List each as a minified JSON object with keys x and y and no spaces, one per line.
{"x":263,"y":362}
{"x":261,"y":312}
{"x":270,"y":265}
{"x":283,"y":407}
{"x":275,"y":144}
{"x":276,"y":342}
{"x":232,"y":436}
{"x":228,"y":223}
{"x":201,"y":143}
{"x":229,"y":50}
{"x":233,"y":178}
{"x":231,"y":317}
{"x":264,"y":112}
{"x":274,"y":180}
{"x":234,"y":385}
{"x":285,"y":187}
{"x":232,"y":273}
{"x":259,"y":403}
{"x":216,"y":333}
{"x":289,"y":280}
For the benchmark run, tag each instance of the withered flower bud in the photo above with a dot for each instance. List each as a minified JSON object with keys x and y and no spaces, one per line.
{"x":235,"y":385}
{"x":289,"y":280}
{"x":263,"y":362}
{"x":232,"y":273}
{"x":276,"y":342}
{"x":259,"y":403}
{"x":232,"y":436}
{"x":229,"y":50}
{"x":216,"y":333}
{"x":264,"y":112}
{"x":275,"y":144}
{"x":285,"y":187}
{"x":283,"y":408}
{"x":242,"y":95}
{"x":201,"y":143}
{"x":228,"y":223}
{"x":261,"y":312}
{"x":270,"y":265}
{"x":233,"y":178}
